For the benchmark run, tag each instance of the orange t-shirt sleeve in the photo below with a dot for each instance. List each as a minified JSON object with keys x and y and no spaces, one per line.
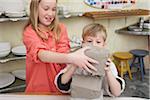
{"x":33,"y":44}
{"x":63,"y":44}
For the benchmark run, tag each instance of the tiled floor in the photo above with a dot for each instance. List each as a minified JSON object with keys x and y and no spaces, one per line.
{"x":136,"y":87}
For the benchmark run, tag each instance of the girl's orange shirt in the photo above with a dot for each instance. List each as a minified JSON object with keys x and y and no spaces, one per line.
{"x":40,"y":75}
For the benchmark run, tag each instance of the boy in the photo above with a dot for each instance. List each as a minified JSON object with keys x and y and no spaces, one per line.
{"x":94,"y":34}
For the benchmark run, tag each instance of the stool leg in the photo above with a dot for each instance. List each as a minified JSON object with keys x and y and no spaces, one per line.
{"x":121,"y":69}
{"x":117,"y":63}
{"x":133,"y":62}
{"x":128,"y":69}
{"x":143,"y":65}
{"x":141,"y":68}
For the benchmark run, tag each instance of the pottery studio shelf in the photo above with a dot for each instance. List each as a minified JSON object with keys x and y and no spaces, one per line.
{"x":116,"y":13}
{"x":11,"y":57}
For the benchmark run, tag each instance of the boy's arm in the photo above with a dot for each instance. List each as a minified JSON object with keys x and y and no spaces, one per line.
{"x":68,"y":74}
{"x":114,"y":85}
{"x":64,"y":78}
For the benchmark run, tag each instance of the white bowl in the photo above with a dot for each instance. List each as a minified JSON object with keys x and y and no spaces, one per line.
{"x":5,"y":46}
{"x":19,"y":50}
{"x":15,"y":14}
{"x":4,"y":53}
{"x":21,"y":74}
{"x":13,"y":5}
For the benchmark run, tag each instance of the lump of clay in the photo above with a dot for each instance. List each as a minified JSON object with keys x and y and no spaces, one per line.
{"x":99,"y":54}
{"x":81,"y":86}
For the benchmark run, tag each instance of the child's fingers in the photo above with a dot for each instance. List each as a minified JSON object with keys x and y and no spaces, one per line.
{"x":86,"y":48}
{"x":92,"y":60}
{"x":87,"y":69}
{"x":107,"y":64}
{"x":91,"y":67}
{"x":109,"y":60}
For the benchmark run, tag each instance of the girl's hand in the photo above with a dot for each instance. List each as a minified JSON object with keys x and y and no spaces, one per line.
{"x":108,"y":64}
{"x":81,"y":60}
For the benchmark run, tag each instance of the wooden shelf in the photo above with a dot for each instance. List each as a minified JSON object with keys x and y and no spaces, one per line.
{"x":116,"y":14}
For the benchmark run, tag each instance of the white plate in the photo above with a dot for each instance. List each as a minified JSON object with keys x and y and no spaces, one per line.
{"x":6,"y":79}
{"x":19,"y":50}
{"x":21,"y":74}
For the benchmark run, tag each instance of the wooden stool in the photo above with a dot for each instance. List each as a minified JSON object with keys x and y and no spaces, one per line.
{"x":121,"y":60}
{"x":139,"y":55}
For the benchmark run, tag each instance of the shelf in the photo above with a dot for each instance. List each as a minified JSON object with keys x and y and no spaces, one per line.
{"x":93,"y":15}
{"x":125,"y":30}
{"x":70,"y":15}
{"x":3,"y":19}
{"x":11,"y":57}
{"x":116,"y":13}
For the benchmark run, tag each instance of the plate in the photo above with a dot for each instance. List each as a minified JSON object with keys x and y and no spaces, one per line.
{"x":134,"y":28}
{"x":6,"y":79}
{"x":21,"y":74}
{"x":19,"y":50}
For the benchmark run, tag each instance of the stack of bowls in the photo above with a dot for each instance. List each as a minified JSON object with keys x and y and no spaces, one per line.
{"x":5,"y":49}
{"x":1,"y":8}
{"x":13,"y":8}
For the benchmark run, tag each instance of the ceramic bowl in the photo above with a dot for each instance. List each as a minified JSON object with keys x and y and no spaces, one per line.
{"x":13,"y":5}
{"x":19,"y":50}
{"x":5,"y":46}
{"x":4,"y":53}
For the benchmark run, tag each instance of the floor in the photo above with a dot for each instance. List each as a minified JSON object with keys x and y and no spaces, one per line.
{"x":136,"y":87}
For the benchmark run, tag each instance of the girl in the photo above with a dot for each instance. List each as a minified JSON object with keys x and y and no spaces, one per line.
{"x":47,"y":46}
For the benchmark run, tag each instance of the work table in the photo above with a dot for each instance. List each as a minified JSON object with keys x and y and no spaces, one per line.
{"x":54,"y":97}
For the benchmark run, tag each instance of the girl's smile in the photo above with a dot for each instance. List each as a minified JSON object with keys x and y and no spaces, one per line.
{"x":47,"y":12}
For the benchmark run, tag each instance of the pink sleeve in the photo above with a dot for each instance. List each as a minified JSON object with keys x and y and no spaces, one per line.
{"x":33,"y":44}
{"x":63,"y":45}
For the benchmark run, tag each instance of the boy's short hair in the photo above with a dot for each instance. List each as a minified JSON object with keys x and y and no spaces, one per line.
{"x":94,"y":29}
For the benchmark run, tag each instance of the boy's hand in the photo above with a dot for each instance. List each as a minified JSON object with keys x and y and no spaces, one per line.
{"x":108,"y":64}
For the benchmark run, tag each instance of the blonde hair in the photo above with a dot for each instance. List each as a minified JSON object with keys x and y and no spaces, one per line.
{"x":94,"y":29}
{"x":33,"y":20}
